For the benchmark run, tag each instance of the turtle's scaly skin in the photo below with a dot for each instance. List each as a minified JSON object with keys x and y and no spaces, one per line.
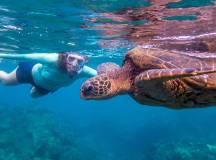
{"x":186,"y":92}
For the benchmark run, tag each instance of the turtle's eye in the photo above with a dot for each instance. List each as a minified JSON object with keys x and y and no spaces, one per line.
{"x":88,"y":90}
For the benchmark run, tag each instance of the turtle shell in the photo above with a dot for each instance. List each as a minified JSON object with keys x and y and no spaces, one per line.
{"x":144,"y":59}
{"x":155,"y":58}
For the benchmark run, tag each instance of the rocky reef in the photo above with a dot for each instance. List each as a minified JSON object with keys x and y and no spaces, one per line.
{"x":181,"y":150}
{"x":29,"y":133}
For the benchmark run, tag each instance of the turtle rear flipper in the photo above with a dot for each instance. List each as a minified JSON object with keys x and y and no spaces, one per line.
{"x":168,"y":74}
{"x":107,"y":67}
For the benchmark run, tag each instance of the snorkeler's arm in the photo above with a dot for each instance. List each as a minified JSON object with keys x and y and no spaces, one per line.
{"x":88,"y":71}
{"x":44,"y":58}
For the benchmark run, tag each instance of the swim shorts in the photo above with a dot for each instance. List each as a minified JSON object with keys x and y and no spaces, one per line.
{"x":24,"y":76}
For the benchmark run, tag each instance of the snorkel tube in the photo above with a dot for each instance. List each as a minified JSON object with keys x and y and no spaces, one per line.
{"x":89,"y":71}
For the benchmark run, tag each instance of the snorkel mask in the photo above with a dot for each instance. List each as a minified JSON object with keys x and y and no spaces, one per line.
{"x":72,"y":62}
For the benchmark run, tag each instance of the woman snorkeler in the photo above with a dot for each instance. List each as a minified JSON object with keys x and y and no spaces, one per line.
{"x":46,"y":72}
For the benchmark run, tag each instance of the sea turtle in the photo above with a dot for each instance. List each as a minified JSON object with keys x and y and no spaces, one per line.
{"x":153,"y":76}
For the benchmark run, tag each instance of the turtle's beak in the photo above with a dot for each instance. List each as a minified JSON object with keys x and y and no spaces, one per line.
{"x":86,"y":91}
{"x":96,"y":88}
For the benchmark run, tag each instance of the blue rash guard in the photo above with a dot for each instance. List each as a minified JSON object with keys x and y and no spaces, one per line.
{"x":48,"y":78}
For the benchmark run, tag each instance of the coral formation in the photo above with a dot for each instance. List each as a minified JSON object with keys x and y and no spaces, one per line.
{"x":35,"y":134}
{"x":181,"y":150}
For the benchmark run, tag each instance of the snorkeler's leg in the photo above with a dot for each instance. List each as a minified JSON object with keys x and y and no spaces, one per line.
{"x":8,"y":78}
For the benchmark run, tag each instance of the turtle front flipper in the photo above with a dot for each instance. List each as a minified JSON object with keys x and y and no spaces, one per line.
{"x":107,"y":67}
{"x":168,"y":74}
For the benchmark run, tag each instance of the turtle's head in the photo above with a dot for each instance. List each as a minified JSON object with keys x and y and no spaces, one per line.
{"x":98,"y":87}
{"x":112,"y":80}
{"x":103,"y":86}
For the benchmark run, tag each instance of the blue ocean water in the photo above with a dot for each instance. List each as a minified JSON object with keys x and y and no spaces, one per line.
{"x":113,"y":129}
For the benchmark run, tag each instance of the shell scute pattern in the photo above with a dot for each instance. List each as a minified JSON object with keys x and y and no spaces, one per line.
{"x":189,"y":91}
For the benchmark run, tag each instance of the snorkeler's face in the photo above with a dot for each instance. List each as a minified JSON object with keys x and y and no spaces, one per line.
{"x":75,"y":63}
